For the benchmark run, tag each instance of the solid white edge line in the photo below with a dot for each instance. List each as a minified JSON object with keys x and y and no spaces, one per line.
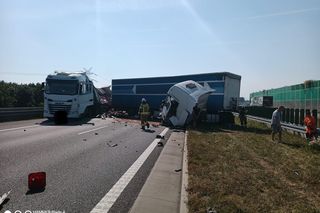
{"x":184,"y":178}
{"x":91,"y":130}
{"x":17,"y":128}
{"x":111,"y":197}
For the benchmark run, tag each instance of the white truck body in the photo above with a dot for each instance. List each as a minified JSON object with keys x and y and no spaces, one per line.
{"x":182,"y":98}
{"x":69,"y":92}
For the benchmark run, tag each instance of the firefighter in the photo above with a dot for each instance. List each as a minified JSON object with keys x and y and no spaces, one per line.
{"x":310,"y":123}
{"x":144,"y":113}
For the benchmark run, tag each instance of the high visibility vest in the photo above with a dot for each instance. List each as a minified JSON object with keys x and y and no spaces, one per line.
{"x":310,"y":123}
{"x":144,"y":109}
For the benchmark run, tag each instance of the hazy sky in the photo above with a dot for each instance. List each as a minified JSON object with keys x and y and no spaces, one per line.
{"x":269,"y":43}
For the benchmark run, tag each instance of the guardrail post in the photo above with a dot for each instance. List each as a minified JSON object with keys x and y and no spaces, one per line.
{"x":301,"y":116}
{"x":291,"y":116}
{"x":315,"y":114}
{"x":287,"y":112}
{"x":296,"y":116}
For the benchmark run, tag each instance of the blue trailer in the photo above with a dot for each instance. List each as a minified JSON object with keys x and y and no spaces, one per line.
{"x":127,"y":93}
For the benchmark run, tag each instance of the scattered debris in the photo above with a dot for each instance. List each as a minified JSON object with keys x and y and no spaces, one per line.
{"x":37,"y":181}
{"x":155,"y":125}
{"x":4,"y":197}
{"x":160,"y":143}
{"x":96,"y":133}
{"x":24,"y":130}
{"x":149,"y":130}
{"x":160,"y":136}
{"x":84,"y":139}
{"x":177,"y":170}
{"x":117,"y":114}
{"x":211,"y":210}
{"x":296,"y":173}
{"x":103,"y":116}
{"x":112,"y":145}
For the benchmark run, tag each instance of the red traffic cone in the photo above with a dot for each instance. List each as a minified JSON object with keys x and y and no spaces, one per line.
{"x":37,"y":181}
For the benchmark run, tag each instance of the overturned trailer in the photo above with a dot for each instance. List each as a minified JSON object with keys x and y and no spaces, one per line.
{"x":127,"y":93}
{"x":183,"y":100}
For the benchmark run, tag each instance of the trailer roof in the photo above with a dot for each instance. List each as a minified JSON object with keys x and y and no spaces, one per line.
{"x":231,"y":75}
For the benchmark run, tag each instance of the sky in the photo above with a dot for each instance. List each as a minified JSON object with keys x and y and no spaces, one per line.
{"x":269,"y":43}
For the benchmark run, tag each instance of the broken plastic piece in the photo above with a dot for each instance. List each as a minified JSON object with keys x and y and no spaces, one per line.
{"x":112,"y":145}
{"x":160,"y":143}
{"x":37,"y":181}
{"x":4,"y":197}
{"x":160,"y":136}
{"x":211,"y":210}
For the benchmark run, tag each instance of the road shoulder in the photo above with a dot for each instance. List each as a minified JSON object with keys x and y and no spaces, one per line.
{"x":161,"y":192}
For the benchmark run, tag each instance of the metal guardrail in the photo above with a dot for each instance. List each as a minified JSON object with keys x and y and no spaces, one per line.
{"x":20,"y":113}
{"x":288,"y":126}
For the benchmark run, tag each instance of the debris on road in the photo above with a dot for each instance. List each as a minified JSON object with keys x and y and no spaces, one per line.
{"x":112,"y":145}
{"x":177,"y":170}
{"x":117,"y":114}
{"x":149,"y":130}
{"x":160,"y":136}
{"x":37,"y":181}
{"x":4,"y":197}
{"x":96,"y":133}
{"x":160,"y":143}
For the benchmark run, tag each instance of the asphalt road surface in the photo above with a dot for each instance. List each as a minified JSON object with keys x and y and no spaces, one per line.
{"x":82,"y":161}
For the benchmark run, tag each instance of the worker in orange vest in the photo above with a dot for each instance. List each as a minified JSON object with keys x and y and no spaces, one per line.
{"x":144,"y":113}
{"x":310,"y":123}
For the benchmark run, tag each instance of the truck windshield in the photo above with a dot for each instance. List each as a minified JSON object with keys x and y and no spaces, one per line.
{"x":62,"y":87}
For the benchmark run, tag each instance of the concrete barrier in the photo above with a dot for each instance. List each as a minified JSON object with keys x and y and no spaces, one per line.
{"x":20,"y":113}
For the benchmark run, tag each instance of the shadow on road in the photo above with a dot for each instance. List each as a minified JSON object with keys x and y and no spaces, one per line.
{"x":69,"y":122}
{"x":31,"y":192}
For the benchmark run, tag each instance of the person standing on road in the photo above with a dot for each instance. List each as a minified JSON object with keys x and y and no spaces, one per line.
{"x":310,"y":123}
{"x":144,"y":113}
{"x":276,"y":123}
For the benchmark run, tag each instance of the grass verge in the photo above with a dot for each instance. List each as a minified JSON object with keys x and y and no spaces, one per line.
{"x":242,"y":170}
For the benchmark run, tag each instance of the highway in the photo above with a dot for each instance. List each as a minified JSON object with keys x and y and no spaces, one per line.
{"x":82,"y":161}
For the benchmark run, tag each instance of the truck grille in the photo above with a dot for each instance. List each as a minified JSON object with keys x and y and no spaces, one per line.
{"x":59,"y":107}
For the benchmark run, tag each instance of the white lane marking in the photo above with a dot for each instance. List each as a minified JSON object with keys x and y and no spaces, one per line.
{"x":91,"y":130}
{"x":110,"y":198}
{"x":17,"y":128}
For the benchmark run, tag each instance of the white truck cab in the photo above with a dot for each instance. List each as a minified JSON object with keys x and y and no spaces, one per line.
{"x":181,"y":100}
{"x":69,"y":93}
